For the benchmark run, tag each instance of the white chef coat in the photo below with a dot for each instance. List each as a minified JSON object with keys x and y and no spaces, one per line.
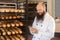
{"x":45,"y":29}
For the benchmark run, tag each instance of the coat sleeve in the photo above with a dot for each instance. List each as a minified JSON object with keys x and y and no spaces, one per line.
{"x":33,"y":25}
{"x":49,"y":33}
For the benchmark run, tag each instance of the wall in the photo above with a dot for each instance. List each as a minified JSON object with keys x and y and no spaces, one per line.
{"x":57,"y":8}
{"x":50,"y":7}
{"x":39,"y":0}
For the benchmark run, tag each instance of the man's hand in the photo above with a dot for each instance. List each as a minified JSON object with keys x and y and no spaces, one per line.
{"x":33,"y":30}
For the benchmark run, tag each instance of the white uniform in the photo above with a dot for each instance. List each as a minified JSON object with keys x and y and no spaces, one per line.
{"x":45,"y":29}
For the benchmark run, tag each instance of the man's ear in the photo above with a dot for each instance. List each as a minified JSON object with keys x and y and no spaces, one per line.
{"x":44,"y":8}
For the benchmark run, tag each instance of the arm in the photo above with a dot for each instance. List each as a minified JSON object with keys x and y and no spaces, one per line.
{"x":33,"y":30}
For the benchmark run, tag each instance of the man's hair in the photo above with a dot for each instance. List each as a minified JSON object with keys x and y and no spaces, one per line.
{"x":44,"y":4}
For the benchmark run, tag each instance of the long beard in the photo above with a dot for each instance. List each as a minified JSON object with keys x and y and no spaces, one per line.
{"x":40,"y":17}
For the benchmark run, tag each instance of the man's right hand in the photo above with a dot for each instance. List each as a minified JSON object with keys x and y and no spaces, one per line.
{"x":33,"y":30}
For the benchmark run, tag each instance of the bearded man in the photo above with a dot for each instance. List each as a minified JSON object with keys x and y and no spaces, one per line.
{"x":43,"y":27}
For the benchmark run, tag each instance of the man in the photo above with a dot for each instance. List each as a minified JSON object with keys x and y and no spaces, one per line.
{"x":43,"y":27}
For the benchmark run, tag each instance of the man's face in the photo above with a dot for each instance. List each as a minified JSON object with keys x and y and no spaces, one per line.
{"x":40,"y":9}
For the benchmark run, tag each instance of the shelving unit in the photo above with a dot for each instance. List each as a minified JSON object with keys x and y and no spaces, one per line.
{"x":10,"y":24}
{"x":12,"y":21}
{"x":31,"y":12}
{"x":7,"y":5}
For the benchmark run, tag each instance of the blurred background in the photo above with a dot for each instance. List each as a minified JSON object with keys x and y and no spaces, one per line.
{"x":17,"y":15}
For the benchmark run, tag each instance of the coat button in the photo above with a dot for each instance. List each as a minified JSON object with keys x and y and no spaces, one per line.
{"x":36,"y":24}
{"x":38,"y":38}
{"x":41,"y":25}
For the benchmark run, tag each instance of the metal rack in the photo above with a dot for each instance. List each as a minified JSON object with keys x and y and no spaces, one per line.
{"x":12,"y":21}
{"x":18,"y":12}
{"x":7,"y":5}
{"x":10,"y":24}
